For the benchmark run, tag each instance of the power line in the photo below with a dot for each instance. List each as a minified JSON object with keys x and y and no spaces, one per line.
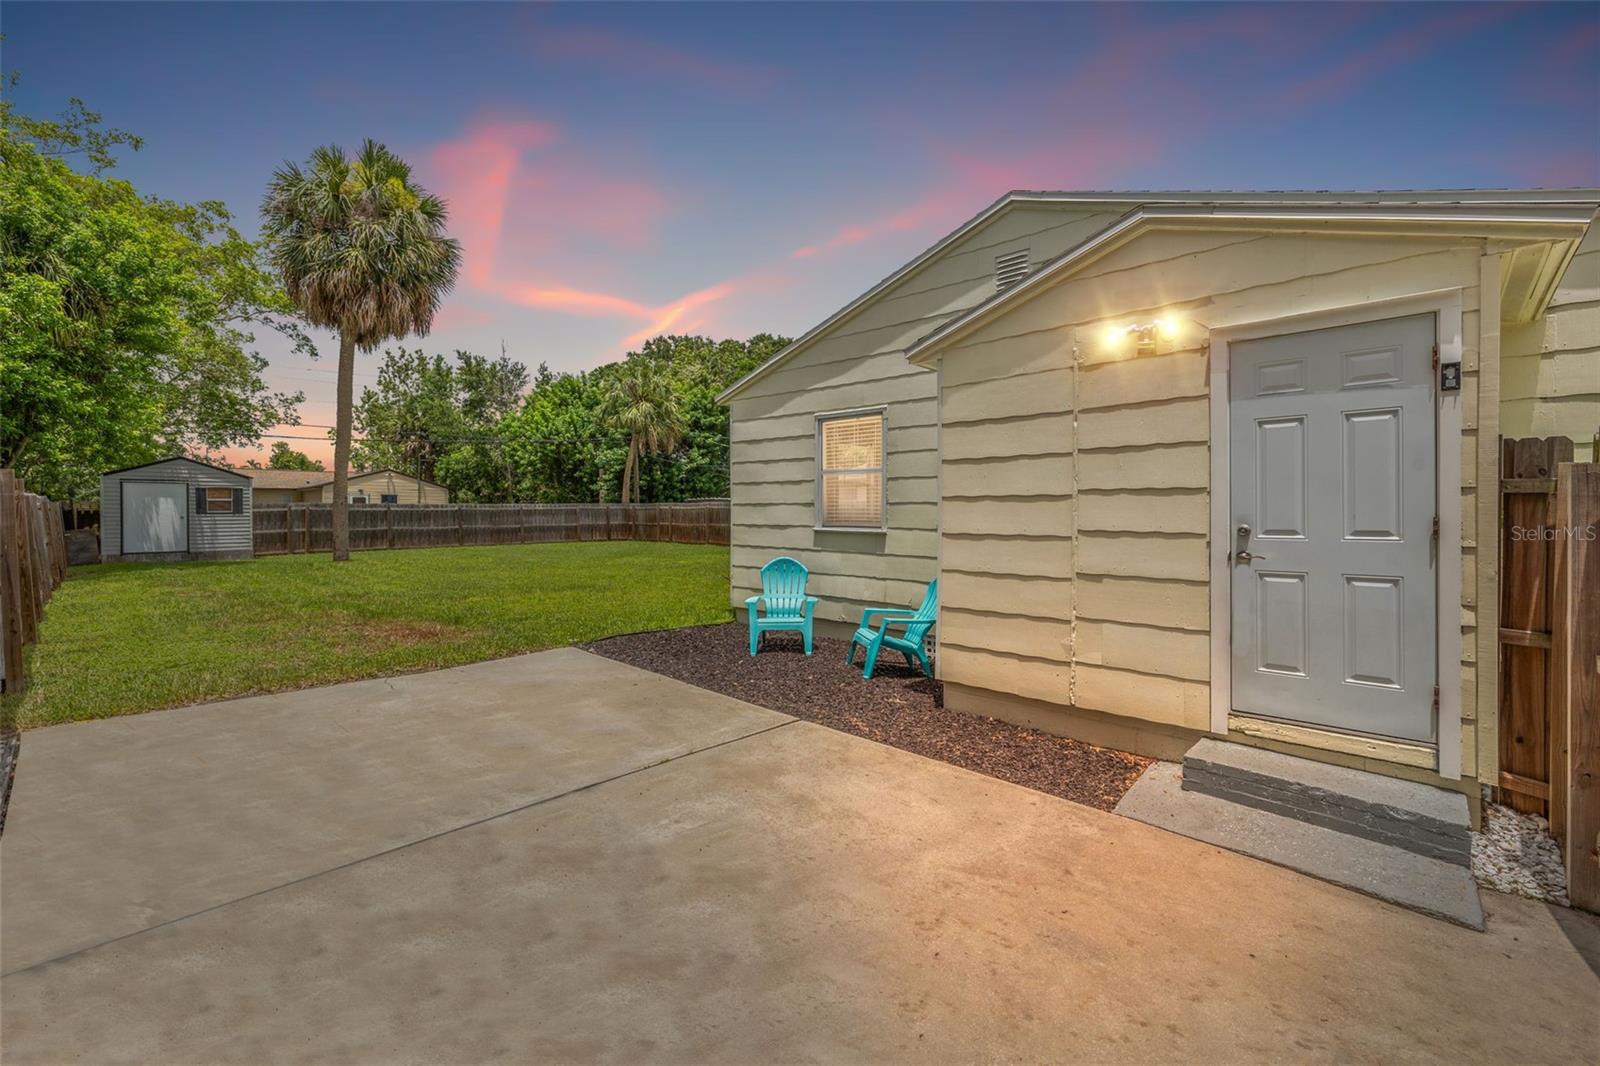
{"x":410,"y":437}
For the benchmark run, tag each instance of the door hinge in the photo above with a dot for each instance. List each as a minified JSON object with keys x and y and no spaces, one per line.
{"x":1436,"y":529}
{"x":1436,"y":358}
{"x":1436,"y":699}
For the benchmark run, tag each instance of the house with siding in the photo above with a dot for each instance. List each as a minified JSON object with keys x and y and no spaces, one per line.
{"x":280,"y":488}
{"x":1190,"y":464}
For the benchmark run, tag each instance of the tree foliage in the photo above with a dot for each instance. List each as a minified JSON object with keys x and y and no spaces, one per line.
{"x":439,"y":418}
{"x":641,"y":403}
{"x":561,"y":447}
{"x":361,"y":249}
{"x":125,"y":321}
{"x":284,"y":457}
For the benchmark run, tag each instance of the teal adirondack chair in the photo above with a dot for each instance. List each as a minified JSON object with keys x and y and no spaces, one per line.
{"x":912,"y":643}
{"x":783,"y":602}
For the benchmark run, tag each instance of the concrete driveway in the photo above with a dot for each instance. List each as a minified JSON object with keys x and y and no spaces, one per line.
{"x":560,"y":857}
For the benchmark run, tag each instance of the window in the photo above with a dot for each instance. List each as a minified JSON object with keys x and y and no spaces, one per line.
{"x":358,"y":497}
{"x":850,"y":458}
{"x":219,"y":501}
{"x":389,"y":497}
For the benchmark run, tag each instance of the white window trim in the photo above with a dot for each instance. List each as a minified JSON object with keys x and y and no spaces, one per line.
{"x":882,"y":411}
{"x":1445,"y":304}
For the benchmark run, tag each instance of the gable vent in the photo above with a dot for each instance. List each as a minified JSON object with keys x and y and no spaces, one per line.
{"x":1010,"y":269}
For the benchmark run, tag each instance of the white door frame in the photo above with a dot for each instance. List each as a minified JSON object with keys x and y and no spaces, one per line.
{"x":1445,"y":304}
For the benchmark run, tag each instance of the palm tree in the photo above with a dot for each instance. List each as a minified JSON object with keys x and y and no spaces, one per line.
{"x":361,"y":250}
{"x":640,"y":402}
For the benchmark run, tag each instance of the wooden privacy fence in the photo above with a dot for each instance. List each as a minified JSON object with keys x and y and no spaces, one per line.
{"x":1550,"y":648}
{"x":309,"y":527}
{"x":33,"y":563}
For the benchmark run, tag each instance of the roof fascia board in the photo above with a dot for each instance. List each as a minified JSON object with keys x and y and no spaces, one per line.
{"x":859,"y":303}
{"x":1526,"y":223}
{"x":175,"y":458}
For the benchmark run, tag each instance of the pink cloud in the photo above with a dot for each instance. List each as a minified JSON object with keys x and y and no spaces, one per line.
{"x":1400,"y":46}
{"x":970,"y":178}
{"x":454,"y":315}
{"x":474,"y":175}
{"x":629,"y":54}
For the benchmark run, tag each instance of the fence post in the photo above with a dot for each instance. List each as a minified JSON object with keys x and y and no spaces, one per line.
{"x":388,"y":525}
{"x":1575,"y":689}
{"x":461,"y":527}
{"x":11,"y":639}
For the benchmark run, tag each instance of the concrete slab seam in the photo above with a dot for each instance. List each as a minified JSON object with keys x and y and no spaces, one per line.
{"x":397,"y":848}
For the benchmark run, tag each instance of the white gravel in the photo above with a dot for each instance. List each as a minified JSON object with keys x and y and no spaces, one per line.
{"x":1515,"y":853}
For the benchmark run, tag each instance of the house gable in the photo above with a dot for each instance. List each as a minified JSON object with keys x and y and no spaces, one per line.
{"x":1546,"y":234}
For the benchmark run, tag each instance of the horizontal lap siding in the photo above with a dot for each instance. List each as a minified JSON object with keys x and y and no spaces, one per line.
{"x":208,"y":533}
{"x":860,"y":362}
{"x":1105,"y":603}
{"x":1550,"y":368}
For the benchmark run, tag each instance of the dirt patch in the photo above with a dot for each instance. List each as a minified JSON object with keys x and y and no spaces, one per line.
{"x":898,"y":707}
{"x":364,"y":634}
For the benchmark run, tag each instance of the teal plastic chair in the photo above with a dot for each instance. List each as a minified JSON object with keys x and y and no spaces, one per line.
{"x":912,"y":643}
{"x":783,"y":602}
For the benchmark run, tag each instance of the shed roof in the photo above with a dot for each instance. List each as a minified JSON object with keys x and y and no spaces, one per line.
{"x":171,"y":459}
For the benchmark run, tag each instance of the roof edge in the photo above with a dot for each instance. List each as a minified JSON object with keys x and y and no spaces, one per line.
{"x":173,"y":458}
{"x":1588,"y":198}
{"x":783,"y":355}
{"x":1563,"y":220}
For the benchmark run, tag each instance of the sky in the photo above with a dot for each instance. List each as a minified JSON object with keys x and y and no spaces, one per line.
{"x":615,"y":171}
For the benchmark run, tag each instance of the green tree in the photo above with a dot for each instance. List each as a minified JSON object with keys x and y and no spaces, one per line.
{"x":361,"y":249}
{"x":125,"y":321}
{"x":439,"y":420}
{"x":640,"y":402}
{"x":284,"y":457}
{"x":554,"y":444}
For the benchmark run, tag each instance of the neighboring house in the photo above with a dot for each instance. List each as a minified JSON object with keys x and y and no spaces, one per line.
{"x":280,"y":488}
{"x":175,"y":509}
{"x":1193,"y":463}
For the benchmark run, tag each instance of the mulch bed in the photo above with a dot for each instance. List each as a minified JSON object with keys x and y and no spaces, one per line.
{"x":898,"y":707}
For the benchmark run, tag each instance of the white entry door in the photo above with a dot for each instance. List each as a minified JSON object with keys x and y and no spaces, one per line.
{"x":155,"y":517}
{"x":1333,"y":556}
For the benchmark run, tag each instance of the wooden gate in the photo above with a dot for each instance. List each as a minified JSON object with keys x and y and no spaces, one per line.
{"x":1527,"y":572}
{"x":1550,"y":649}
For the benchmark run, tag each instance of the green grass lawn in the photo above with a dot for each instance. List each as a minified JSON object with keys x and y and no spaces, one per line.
{"x":128,"y":637}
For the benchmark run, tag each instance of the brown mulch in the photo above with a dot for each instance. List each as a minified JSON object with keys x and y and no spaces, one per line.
{"x":898,"y":707}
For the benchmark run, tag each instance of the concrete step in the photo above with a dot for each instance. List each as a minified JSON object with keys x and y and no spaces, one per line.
{"x":1433,"y":887}
{"x":1413,"y":817}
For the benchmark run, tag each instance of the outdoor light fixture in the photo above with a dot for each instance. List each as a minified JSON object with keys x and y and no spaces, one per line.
{"x":1144,"y":334}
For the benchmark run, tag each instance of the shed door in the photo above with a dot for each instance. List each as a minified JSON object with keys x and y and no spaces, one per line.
{"x":155,"y":517}
{"x":1332,"y":485}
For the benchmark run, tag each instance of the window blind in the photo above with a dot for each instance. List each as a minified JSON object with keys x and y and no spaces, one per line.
{"x":851,"y":459}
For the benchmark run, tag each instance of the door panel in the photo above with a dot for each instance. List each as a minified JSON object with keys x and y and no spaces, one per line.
{"x":1281,"y":623}
{"x":155,"y":517}
{"x":1332,"y":569}
{"x":1372,"y":475}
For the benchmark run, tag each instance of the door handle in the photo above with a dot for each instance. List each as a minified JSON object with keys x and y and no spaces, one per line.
{"x":1245,"y":557}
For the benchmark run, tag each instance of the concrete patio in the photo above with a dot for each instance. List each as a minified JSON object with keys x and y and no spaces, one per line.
{"x":561,"y":857}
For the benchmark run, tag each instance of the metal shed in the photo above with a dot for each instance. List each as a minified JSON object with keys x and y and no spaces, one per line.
{"x":174,"y":510}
